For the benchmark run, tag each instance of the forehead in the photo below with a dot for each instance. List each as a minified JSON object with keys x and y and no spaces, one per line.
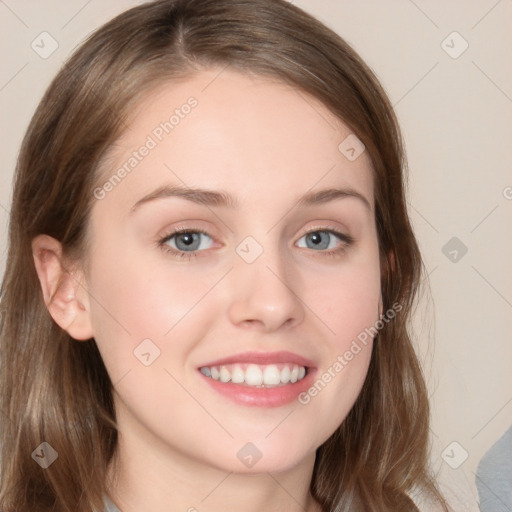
{"x":220,"y":128}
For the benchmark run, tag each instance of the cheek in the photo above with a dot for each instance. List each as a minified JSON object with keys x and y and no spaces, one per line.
{"x":354,"y":308}
{"x":141,"y":295}
{"x":134,"y":299}
{"x":351,"y":310}
{"x":346,"y":300}
{"x":347,"y":303}
{"x":346,"y":357}
{"x":126,"y":306}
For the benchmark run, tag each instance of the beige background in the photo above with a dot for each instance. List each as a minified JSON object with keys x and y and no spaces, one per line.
{"x":456,"y":116}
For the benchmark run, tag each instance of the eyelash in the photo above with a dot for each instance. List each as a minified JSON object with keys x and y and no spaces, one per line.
{"x":332,"y":253}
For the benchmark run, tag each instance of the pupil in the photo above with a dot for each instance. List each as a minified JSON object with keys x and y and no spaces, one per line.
{"x":187,"y":239}
{"x":316,"y":238}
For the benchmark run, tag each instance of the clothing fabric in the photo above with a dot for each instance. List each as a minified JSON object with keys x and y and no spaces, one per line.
{"x":109,"y":506}
{"x":494,"y":476}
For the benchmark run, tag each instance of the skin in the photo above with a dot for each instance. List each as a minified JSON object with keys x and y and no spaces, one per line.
{"x":265,"y":144}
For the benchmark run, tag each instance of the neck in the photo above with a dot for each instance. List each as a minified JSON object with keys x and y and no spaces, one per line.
{"x":163,"y":480}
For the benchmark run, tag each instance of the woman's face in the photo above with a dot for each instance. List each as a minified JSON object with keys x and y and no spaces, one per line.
{"x":233,"y":343}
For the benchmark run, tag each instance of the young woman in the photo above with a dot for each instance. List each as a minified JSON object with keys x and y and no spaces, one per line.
{"x":210,"y":274}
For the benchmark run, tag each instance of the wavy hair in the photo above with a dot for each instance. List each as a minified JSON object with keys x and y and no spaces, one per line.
{"x":56,"y":390}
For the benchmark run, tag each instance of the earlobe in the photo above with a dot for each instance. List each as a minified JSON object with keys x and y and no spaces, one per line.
{"x":64,"y":295}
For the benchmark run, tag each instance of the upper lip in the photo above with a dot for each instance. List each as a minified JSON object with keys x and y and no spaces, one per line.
{"x":262,"y":358}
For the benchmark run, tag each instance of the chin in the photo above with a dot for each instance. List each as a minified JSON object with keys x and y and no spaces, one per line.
{"x":252,"y":458}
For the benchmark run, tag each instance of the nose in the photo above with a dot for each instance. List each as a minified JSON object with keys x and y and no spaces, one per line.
{"x":265,"y":294}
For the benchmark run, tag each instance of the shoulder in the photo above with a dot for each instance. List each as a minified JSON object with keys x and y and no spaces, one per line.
{"x":109,"y":506}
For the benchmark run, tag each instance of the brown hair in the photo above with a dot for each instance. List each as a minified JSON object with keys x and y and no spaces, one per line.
{"x":57,"y":390}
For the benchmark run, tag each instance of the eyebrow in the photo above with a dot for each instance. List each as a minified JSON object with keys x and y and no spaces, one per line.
{"x":219,"y":198}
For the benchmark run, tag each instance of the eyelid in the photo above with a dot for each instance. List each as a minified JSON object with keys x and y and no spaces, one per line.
{"x":183,"y":227}
{"x":328,"y":229}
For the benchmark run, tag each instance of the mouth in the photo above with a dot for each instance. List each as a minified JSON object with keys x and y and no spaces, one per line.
{"x":254,"y":375}
{"x":259,"y":379}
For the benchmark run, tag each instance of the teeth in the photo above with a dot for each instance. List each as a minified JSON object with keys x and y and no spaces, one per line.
{"x":237,"y":375}
{"x":206,"y":371}
{"x":285,"y":375}
{"x":225,"y":375}
{"x":271,"y":376}
{"x":253,"y":375}
{"x":256,"y":375}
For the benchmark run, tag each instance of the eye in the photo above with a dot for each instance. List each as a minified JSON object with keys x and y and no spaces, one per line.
{"x":181,"y":242}
{"x":187,"y":243}
{"x":326,"y":240}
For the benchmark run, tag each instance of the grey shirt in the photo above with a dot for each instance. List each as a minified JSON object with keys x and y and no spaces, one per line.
{"x":109,"y":506}
{"x":494,"y":476}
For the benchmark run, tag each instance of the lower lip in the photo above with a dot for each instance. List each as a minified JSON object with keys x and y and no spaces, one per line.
{"x":261,"y":397}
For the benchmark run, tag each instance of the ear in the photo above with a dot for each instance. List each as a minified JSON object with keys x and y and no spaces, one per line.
{"x":64,"y":294}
